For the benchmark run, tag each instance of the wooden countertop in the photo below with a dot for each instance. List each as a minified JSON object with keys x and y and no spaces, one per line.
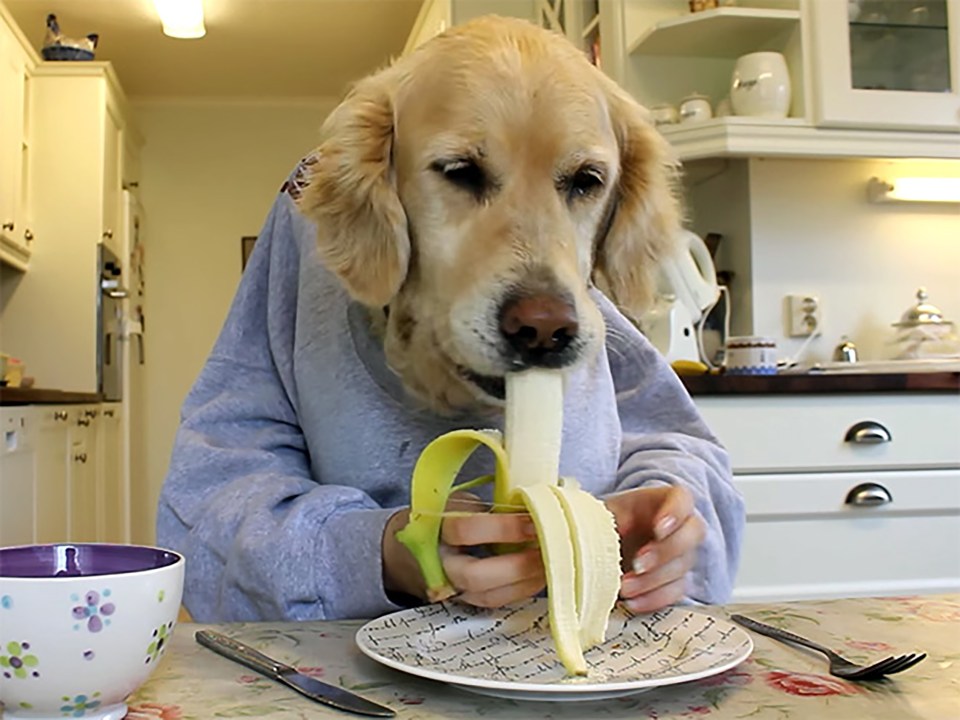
{"x":43,"y":396}
{"x":948,"y":382}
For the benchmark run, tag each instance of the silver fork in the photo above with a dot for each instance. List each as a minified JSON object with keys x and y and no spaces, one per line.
{"x":839,"y":666}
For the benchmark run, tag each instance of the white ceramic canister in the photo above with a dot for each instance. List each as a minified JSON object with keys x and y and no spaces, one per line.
{"x":750,"y":355}
{"x":761,"y":85}
{"x":695,"y":108}
{"x":664,"y":114}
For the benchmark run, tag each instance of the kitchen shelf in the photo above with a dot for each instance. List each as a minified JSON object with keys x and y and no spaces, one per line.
{"x":794,"y":137}
{"x":723,"y":32}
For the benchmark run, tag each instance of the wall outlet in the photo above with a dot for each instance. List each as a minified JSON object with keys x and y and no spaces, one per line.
{"x":803,"y":315}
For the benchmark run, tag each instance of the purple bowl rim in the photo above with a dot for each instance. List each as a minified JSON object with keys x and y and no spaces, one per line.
{"x":179,"y":561}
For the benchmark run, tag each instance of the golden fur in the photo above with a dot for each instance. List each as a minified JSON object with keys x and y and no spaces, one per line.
{"x":529,"y":109}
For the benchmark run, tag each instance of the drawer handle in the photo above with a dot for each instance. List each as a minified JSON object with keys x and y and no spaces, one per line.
{"x":868,"y":495}
{"x":868,"y":432}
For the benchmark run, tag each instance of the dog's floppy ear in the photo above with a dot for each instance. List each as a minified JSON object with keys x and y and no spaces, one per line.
{"x":644,"y":216}
{"x":361,"y":225}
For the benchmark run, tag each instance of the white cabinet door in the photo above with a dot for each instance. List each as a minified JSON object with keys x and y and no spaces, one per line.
{"x":12,"y":135}
{"x":112,"y":171}
{"x":435,"y":17}
{"x":84,"y":475}
{"x":52,"y":464}
{"x":885,"y":64}
{"x":113,"y":492}
{"x":845,"y":534}
{"x":16,"y":478}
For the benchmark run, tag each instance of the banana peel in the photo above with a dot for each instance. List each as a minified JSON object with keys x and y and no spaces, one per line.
{"x":430,"y":489}
{"x":576,"y":535}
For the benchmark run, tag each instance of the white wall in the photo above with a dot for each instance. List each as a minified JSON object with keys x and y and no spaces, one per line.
{"x":814,"y":232}
{"x":210,"y":173}
{"x":809,"y":229}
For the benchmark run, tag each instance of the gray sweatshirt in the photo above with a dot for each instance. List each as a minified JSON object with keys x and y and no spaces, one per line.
{"x":297,"y":444}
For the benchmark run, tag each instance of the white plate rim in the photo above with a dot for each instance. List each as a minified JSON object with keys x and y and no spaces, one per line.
{"x":572,"y":688}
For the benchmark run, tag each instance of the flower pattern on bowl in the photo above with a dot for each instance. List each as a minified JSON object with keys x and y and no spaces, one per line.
{"x":79,"y":705}
{"x":91,"y":610}
{"x":17,"y":662}
{"x":160,"y":637}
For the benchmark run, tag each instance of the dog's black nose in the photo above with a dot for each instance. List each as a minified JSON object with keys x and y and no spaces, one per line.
{"x":539,"y":327}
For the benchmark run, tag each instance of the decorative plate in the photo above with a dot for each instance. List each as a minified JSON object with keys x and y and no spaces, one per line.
{"x":509,"y":652}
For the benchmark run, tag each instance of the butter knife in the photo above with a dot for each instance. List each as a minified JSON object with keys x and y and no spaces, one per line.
{"x":322,"y":692}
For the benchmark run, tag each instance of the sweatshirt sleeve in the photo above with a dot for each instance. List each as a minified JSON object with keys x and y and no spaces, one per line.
{"x":263,"y":538}
{"x":666,"y":442}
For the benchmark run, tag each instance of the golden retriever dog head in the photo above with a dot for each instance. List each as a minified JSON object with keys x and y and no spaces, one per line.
{"x":475,"y":190}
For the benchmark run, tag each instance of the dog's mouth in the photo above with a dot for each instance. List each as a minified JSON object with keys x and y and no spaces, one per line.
{"x":492,"y":385}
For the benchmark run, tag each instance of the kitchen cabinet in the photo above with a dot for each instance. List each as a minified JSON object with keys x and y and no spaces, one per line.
{"x":877,"y":63}
{"x":16,"y":231}
{"x":437,"y":15}
{"x":52,"y":465}
{"x":582,"y":21}
{"x":670,"y":53}
{"x":84,"y":474}
{"x":82,"y":135}
{"x":16,"y":478}
{"x":113,"y":497}
{"x":845,"y":495}
{"x":61,"y":474}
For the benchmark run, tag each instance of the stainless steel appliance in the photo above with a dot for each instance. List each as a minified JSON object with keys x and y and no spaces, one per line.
{"x":109,"y":320}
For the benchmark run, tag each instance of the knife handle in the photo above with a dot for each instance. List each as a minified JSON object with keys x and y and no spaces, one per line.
{"x":243,"y":654}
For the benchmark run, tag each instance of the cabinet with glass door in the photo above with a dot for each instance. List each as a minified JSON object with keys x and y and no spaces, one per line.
{"x":892,"y":64}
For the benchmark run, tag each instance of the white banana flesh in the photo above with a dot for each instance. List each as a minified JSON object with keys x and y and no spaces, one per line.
{"x":596,"y":547}
{"x":577,"y":534}
{"x":559,"y":562}
{"x":532,"y":429}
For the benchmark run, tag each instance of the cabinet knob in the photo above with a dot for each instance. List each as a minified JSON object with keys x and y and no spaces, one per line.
{"x":83,"y":422}
{"x":61,"y":415}
{"x":80,"y":457}
{"x":91,"y":413}
{"x":9,"y":225}
{"x":27,"y":235}
{"x":108,"y":413}
{"x":868,"y":432}
{"x":868,"y":495}
{"x":108,"y":234}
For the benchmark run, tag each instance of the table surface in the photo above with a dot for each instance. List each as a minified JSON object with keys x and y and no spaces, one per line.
{"x":778,"y":681}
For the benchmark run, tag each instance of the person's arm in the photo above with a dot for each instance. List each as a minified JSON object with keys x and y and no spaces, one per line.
{"x":263,"y":538}
{"x":666,"y":444}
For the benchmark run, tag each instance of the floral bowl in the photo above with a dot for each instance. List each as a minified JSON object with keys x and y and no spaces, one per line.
{"x":82,"y":626}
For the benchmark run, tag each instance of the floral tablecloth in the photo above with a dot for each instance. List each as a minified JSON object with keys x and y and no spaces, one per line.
{"x":777,"y":681}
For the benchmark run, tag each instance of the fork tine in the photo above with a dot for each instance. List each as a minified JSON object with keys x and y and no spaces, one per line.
{"x":888,"y":666}
{"x":876,"y":671}
{"x":906,"y":663}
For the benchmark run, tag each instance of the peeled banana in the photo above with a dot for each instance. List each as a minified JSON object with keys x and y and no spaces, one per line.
{"x":576,"y":533}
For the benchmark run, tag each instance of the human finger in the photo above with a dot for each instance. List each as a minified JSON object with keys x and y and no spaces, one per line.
{"x":681,"y":542}
{"x":504,"y":595}
{"x":663,"y":596}
{"x":677,"y":505}
{"x":486,"y":528}
{"x":633,"y":585}
{"x":475,"y":576}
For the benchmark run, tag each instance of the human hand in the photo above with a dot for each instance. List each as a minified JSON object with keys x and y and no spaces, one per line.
{"x":659,"y":537}
{"x":482,"y":581}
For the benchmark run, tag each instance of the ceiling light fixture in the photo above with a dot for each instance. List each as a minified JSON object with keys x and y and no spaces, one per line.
{"x":181,"y":18}
{"x":914,"y":189}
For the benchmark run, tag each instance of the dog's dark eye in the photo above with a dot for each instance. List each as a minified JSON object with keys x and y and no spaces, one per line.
{"x":465,"y":173}
{"x":583,"y":182}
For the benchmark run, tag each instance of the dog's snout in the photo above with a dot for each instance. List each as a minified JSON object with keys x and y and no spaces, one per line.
{"x":538,"y":327}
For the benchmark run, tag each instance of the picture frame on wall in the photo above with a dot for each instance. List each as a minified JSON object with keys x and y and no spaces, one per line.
{"x":246,"y":248}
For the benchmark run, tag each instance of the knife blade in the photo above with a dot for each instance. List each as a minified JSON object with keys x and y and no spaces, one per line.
{"x":312,"y":688}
